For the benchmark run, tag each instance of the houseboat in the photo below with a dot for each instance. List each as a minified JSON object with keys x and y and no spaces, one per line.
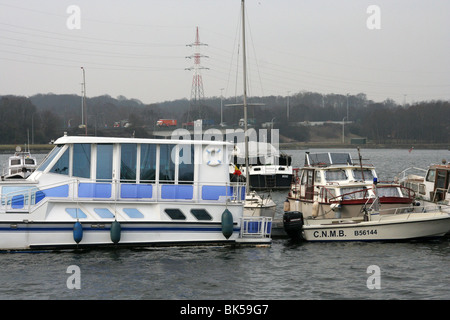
{"x":104,"y":191}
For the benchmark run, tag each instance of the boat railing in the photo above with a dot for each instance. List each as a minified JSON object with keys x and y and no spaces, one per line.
{"x":373,"y":213}
{"x":404,"y":192}
{"x":352,"y":195}
{"x":404,"y":174}
{"x":25,"y":197}
{"x":256,"y":227}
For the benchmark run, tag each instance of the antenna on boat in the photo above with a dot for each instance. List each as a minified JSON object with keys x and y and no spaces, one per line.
{"x":360,"y":164}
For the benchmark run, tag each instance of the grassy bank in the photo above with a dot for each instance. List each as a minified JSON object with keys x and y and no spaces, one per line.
{"x":36,"y":148}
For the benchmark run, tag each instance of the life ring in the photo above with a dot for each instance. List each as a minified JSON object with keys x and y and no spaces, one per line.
{"x":213,"y":156}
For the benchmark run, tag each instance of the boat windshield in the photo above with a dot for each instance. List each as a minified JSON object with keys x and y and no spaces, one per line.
{"x":335,"y":175}
{"x":354,"y":193}
{"x":388,"y":192}
{"x":29,"y":161}
{"x":15,"y":162}
{"x":358,"y":174}
{"x":50,"y":157}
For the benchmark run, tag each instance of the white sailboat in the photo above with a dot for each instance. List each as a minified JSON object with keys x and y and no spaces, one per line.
{"x":254,"y":204}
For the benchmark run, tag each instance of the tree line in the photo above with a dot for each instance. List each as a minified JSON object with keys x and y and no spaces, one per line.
{"x":44,"y":117}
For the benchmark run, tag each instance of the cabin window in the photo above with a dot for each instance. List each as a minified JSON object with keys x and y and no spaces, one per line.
{"x":148,"y":163}
{"x":62,"y":165}
{"x":317,"y":177}
{"x":326,"y":193}
{"x":82,"y":160}
{"x":186,"y":164}
{"x":175,"y":214}
{"x":166,"y":163}
{"x":358,"y":175}
{"x":29,"y":161}
{"x":201,"y":214}
{"x":353,"y":193}
{"x":335,"y":175}
{"x":50,"y":157}
{"x":128,"y":162}
{"x":303,"y":177}
{"x":431,"y":175}
{"x":388,"y":192}
{"x":104,"y":162}
{"x":15,"y":162}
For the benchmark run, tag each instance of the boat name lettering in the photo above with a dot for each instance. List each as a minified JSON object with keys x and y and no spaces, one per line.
{"x":329,"y":233}
{"x":365,"y":232}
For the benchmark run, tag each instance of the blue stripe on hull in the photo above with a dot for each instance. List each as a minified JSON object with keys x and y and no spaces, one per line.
{"x":217,"y":228}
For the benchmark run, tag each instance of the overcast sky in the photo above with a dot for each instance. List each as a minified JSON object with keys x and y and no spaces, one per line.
{"x":138,"y":48}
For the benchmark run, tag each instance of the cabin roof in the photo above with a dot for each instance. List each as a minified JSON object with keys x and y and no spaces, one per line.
{"x":88,"y":139}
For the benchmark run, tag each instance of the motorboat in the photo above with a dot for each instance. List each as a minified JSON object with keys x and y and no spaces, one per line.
{"x":431,"y":184}
{"x":256,"y":205}
{"x":269,"y":169}
{"x":331,"y":185}
{"x":20,"y":165}
{"x":408,"y":223}
{"x":108,"y":191}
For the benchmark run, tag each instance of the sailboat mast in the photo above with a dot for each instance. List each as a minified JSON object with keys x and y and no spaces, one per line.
{"x":244,"y":66}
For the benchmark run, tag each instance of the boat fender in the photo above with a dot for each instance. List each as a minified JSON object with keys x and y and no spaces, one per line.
{"x":287,"y":206}
{"x":298,"y":205}
{"x":315,"y":209}
{"x":335,"y":206}
{"x":77,"y":232}
{"x":115,"y":232}
{"x":227,"y":223}
{"x":213,"y":156}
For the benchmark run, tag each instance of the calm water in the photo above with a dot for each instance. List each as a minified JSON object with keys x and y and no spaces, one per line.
{"x":285,"y":271}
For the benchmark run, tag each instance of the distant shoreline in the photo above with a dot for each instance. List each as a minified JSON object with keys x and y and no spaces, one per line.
{"x":44,"y":148}
{"x":325,"y":145}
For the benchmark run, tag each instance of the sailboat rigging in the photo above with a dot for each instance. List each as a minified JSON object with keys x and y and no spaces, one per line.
{"x":254,"y":204}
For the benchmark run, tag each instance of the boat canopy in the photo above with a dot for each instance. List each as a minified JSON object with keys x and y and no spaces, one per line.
{"x":327,"y":159}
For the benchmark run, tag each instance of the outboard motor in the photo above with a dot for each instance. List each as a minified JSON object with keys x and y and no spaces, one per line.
{"x":293,"y":224}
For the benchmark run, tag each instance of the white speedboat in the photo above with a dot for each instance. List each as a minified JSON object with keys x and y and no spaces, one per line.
{"x":96,"y":191}
{"x":330,"y":185}
{"x":256,"y":205}
{"x":20,"y":165}
{"x":408,"y":223}
{"x":431,"y":184}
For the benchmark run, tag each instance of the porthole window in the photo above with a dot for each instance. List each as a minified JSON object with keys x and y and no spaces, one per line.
{"x":175,"y":214}
{"x":201,"y":214}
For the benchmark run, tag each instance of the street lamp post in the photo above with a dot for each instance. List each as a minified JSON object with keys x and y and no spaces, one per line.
{"x":343,"y":131}
{"x":221,"y":106}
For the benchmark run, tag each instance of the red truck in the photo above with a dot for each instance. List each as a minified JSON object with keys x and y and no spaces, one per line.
{"x":166,"y":123}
